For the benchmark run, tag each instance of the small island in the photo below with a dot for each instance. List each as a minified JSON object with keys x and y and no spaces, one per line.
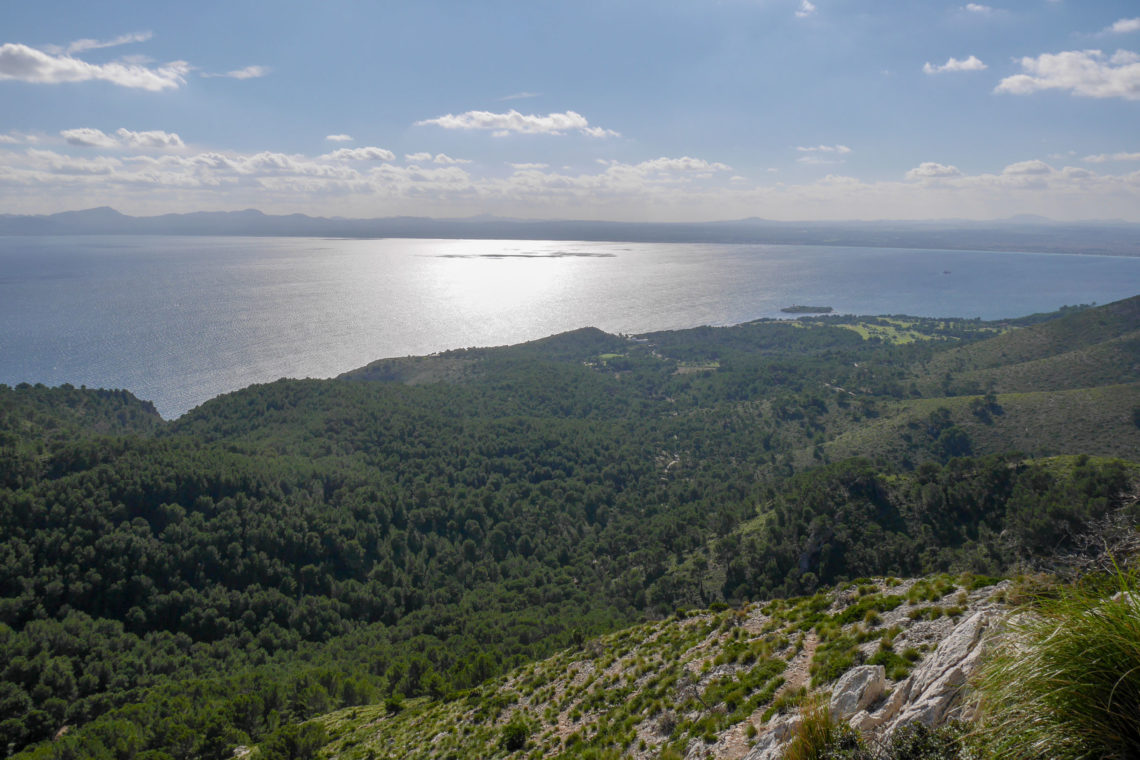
{"x":800,"y":309}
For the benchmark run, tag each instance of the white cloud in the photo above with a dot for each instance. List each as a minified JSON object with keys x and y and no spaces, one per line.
{"x":981,"y":10}
{"x":339,"y":138}
{"x":9,"y":140}
{"x":953,"y":64}
{"x":1105,"y":157}
{"x":931,"y":170}
{"x":57,"y":162}
{"x":439,"y":158}
{"x":822,"y":155}
{"x":839,"y":149}
{"x":666,"y":188}
{"x":361,"y":154}
{"x":683,"y":164}
{"x":87,"y":137}
{"x":525,"y":166}
{"x":1081,"y":72}
{"x":87,"y":44}
{"x":27,"y":64}
{"x":521,"y":96}
{"x":249,"y":72}
{"x":154,"y":138}
{"x":513,"y":121}
{"x":1125,"y":26}
{"x":1035,"y":167}
{"x":806,"y":9}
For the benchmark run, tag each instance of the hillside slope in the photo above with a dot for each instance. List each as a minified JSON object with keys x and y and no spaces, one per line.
{"x":430,"y":523}
{"x":711,"y":685}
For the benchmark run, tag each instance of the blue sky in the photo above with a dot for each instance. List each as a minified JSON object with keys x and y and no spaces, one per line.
{"x":622,"y":109}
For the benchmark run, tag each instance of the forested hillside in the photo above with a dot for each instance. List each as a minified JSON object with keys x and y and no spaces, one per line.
{"x":420,"y":525}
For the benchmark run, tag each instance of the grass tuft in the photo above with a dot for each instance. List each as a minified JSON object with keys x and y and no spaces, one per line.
{"x":1064,"y":682}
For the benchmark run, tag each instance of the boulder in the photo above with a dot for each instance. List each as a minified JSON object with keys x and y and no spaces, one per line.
{"x":856,"y":690}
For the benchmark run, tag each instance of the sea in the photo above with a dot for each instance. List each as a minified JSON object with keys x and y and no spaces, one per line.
{"x":180,"y":320}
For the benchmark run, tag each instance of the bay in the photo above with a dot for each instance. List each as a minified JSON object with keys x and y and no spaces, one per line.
{"x":179,"y":320}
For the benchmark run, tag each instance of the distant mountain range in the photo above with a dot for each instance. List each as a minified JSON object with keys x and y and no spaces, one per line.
{"x":1020,"y":233}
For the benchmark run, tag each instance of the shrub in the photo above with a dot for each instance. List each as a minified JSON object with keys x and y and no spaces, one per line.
{"x":295,"y":742}
{"x":1065,"y":680}
{"x":915,"y":741}
{"x":514,"y":735}
{"x":817,"y":738}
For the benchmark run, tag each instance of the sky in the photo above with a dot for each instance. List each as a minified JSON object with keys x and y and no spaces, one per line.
{"x":633,"y":110}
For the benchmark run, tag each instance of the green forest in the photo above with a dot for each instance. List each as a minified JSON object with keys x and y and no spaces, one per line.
{"x":177,"y":589}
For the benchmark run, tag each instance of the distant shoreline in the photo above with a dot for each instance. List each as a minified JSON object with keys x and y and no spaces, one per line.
{"x":1108,"y":238}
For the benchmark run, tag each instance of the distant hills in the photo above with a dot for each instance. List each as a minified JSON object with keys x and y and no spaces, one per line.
{"x":1014,"y":234}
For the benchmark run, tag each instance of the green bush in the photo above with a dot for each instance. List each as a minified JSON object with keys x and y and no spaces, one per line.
{"x":295,"y":742}
{"x":515,"y":735}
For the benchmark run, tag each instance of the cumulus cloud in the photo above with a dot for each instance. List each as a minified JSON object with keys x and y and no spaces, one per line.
{"x":27,"y":64}
{"x":339,"y":138}
{"x":87,"y":137}
{"x":512,"y":121}
{"x":1035,"y":167}
{"x":156,"y":139}
{"x":931,"y":170}
{"x":953,"y":64}
{"x":664,"y":188}
{"x":58,"y":162}
{"x":806,"y":9}
{"x":9,"y":140}
{"x":249,"y":72}
{"x":1101,"y":158}
{"x":439,"y":158}
{"x":1089,"y":73}
{"x":1125,"y":26}
{"x":981,"y":10}
{"x":361,"y":154}
{"x":682,"y":164}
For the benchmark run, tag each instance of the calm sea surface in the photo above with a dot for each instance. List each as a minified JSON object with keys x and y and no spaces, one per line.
{"x":179,"y":320}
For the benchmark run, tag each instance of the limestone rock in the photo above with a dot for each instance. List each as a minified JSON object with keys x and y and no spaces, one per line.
{"x":772,"y":743}
{"x":933,"y":690}
{"x":856,"y":690}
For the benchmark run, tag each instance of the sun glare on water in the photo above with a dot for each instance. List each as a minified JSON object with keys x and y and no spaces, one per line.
{"x":504,"y":282}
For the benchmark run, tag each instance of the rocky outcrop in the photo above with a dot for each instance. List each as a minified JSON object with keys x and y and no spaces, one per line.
{"x":933,"y":693}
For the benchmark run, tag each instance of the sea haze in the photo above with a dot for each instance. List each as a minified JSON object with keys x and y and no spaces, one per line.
{"x":179,"y":320}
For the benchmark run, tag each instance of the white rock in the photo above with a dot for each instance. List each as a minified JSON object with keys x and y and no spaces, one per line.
{"x":856,"y":690}
{"x":934,"y":688}
{"x":771,"y":744}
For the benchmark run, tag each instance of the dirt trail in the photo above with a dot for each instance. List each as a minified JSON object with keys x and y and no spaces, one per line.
{"x":736,"y":744}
